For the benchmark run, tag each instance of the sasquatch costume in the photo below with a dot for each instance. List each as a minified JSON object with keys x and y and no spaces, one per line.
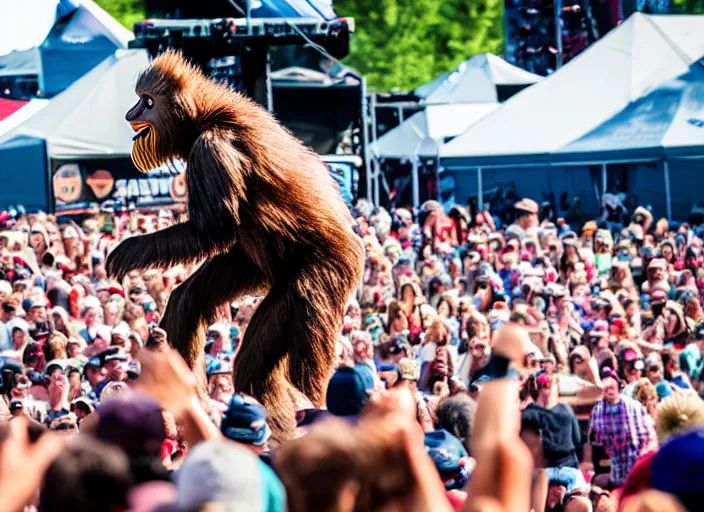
{"x":264,"y":216}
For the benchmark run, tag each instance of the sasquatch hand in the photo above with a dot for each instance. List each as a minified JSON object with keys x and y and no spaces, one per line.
{"x":123,"y":258}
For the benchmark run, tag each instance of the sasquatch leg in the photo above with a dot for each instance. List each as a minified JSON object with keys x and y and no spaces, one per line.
{"x":193,"y":304}
{"x":322,"y":292}
{"x":261,"y":364}
{"x":290,"y":344}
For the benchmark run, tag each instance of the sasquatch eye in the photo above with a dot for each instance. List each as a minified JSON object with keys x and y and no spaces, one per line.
{"x":149,"y":101}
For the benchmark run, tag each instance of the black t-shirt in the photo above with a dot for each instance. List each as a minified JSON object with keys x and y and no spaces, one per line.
{"x":560,"y":433}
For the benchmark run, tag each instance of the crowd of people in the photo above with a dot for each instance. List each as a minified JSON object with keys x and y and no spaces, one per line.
{"x":480,"y":366}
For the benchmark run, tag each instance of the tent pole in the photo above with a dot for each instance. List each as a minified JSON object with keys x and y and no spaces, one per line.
{"x":437,"y":172}
{"x":558,"y":32}
{"x":367,"y":112}
{"x":668,"y":197}
{"x":415,"y":187}
{"x":371,"y":120}
{"x":603,"y":179}
{"x":377,"y":174}
{"x":480,"y":190}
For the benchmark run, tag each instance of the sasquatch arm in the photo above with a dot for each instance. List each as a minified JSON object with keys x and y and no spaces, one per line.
{"x":181,"y":243}
{"x":216,"y":185}
{"x":215,"y":178}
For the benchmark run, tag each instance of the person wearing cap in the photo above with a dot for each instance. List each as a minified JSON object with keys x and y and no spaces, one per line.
{"x":57,"y":404}
{"x":450,"y":458}
{"x":245,"y":421}
{"x":409,"y":373}
{"x":632,"y":366}
{"x":526,"y":214}
{"x":623,"y":427}
{"x":115,"y":362}
{"x":37,"y":309}
{"x":95,"y":374}
{"x":207,"y":477}
{"x":656,"y":277}
{"x":347,"y":393}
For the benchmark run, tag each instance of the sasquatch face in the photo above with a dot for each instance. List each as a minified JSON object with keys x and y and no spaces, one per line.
{"x":163,"y":116}
{"x":143,"y":118}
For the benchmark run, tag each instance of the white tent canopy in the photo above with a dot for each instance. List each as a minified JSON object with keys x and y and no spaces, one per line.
{"x":88,"y":119}
{"x":424,"y":132}
{"x":475,"y":81}
{"x":632,"y":59}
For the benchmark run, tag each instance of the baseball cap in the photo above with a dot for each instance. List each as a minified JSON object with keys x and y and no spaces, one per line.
{"x":118,"y":355}
{"x":208,"y":475}
{"x":244,"y":421}
{"x":447,"y":453}
{"x":93,"y":362}
{"x":347,"y":393}
{"x":56,"y":364}
{"x":526,"y":205}
{"x":678,"y":468}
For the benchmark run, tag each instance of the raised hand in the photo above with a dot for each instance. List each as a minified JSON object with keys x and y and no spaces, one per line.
{"x":166,"y":377}
{"x":23,"y":464}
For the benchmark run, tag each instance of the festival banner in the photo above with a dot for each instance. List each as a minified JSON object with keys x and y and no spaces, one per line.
{"x":80,"y":184}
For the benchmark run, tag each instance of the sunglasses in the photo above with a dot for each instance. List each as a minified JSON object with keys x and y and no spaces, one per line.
{"x":478,"y":348}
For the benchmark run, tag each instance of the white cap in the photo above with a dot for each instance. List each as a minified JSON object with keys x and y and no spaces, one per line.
{"x":221,"y":471}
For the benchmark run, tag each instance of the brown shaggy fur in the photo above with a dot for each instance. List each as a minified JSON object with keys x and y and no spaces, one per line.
{"x":264,"y":214}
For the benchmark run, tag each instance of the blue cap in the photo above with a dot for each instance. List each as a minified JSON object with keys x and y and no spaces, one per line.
{"x":447,"y":453}
{"x":347,"y":392}
{"x":244,"y":421}
{"x":678,"y":468}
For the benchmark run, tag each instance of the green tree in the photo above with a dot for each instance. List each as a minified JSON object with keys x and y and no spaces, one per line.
{"x":400,"y":44}
{"x":127,"y":12}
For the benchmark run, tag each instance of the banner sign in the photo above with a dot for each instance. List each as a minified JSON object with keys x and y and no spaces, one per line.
{"x":80,"y":184}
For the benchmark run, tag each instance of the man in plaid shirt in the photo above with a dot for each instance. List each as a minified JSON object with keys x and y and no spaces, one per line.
{"x":623,"y":427}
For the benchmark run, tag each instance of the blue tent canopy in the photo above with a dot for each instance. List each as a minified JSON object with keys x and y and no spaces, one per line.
{"x":293,"y":9}
{"x":79,"y":40}
{"x":24,"y":174}
{"x":648,"y":125}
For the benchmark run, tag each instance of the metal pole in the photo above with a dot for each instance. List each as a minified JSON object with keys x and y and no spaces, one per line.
{"x":558,"y":32}
{"x":603,"y":180}
{"x":415,"y":186}
{"x":249,"y":16}
{"x":437,"y":173}
{"x":480,"y":190}
{"x":375,"y":163}
{"x":365,"y":134}
{"x":668,"y":198}
{"x":377,"y":175}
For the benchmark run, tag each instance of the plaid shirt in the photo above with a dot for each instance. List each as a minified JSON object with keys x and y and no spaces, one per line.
{"x":626,"y":432}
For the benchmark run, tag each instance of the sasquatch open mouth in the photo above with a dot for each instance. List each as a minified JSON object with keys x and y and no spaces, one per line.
{"x":145,"y":150}
{"x":141,"y":128}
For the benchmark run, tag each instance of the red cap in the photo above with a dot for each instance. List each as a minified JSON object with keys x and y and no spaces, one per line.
{"x":630,"y":355}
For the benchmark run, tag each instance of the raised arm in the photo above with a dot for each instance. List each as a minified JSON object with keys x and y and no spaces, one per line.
{"x":180,"y":243}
